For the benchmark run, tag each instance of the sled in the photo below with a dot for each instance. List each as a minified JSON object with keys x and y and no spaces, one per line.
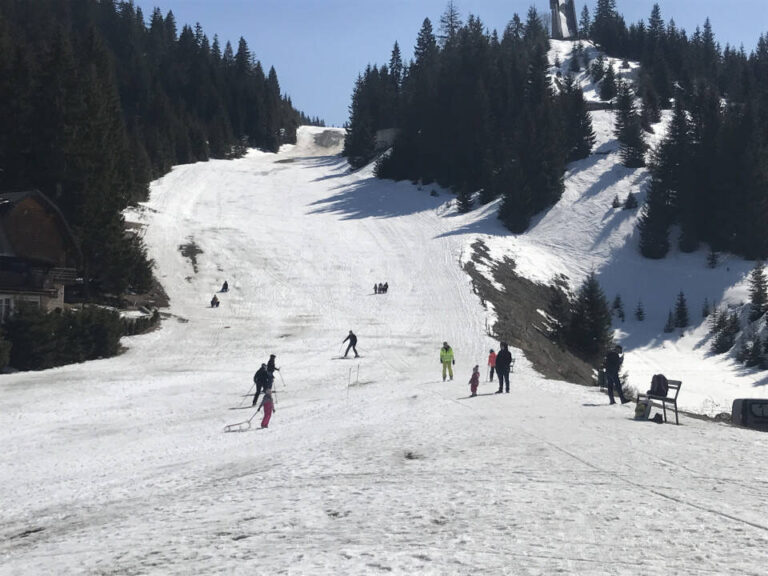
{"x":240,"y":426}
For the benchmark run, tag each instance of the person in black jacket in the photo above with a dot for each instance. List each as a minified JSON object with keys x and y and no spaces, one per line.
{"x":271,"y":364}
{"x":612,"y":364}
{"x":352,"y":343}
{"x":261,"y":379}
{"x":503,"y":363}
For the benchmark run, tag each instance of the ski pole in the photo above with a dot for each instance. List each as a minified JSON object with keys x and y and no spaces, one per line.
{"x":281,"y":378}
{"x":247,"y":394}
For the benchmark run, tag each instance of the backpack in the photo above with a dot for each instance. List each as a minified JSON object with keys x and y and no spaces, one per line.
{"x":659,"y":385}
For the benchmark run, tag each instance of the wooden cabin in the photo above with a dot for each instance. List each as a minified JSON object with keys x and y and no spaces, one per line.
{"x":38,"y":253}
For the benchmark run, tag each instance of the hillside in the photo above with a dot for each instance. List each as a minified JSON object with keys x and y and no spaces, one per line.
{"x":370,"y":465}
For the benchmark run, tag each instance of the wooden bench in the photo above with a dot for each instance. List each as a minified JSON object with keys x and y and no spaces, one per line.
{"x":670,"y":398}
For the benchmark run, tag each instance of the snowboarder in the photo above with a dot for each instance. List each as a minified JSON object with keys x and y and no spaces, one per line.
{"x":491,"y":364}
{"x":612,"y":364}
{"x":375,"y":288}
{"x":269,"y":406}
{"x":261,"y":379}
{"x":474,"y":380}
{"x":225,"y":287}
{"x":447,"y":360}
{"x":271,"y":364}
{"x":215,"y":301}
{"x":503,"y":363}
{"x":386,"y":287}
{"x":352,"y":343}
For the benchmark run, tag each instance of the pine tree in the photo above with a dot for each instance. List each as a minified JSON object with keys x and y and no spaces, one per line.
{"x":682,"y":319}
{"x":616,"y":203}
{"x":589,"y":333}
{"x":585,"y":23}
{"x":627,"y":129}
{"x":579,"y":135}
{"x":618,"y":307}
{"x":758,"y":292}
{"x":597,"y":69}
{"x":639,"y":311}
{"x":712,"y":258}
{"x":608,"y":84}
{"x":670,"y":324}
{"x":631,"y":202}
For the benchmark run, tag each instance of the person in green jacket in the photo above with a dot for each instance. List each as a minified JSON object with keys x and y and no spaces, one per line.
{"x":446,"y":359}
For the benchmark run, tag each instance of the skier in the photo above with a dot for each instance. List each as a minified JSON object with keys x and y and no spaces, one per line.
{"x":612,"y":364}
{"x":375,"y":288}
{"x":447,"y":360}
{"x":271,"y":364}
{"x":386,"y":287}
{"x":225,"y":287}
{"x":381,"y":288}
{"x":503,"y":362}
{"x":214,"y":301}
{"x":261,"y":379}
{"x":352,"y":343}
{"x":269,"y":406}
{"x":474,"y":380}
{"x":491,"y":364}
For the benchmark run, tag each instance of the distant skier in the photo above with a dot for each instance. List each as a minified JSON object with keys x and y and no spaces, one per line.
{"x":261,"y":379}
{"x":352,"y":344}
{"x":612,"y":363}
{"x":474,"y":380}
{"x":215,"y":301}
{"x":269,"y":406}
{"x":375,"y":288}
{"x":386,"y":287}
{"x":225,"y":287}
{"x":381,"y":288}
{"x":491,"y":364}
{"x":447,"y":360}
{"x":271,"y":364}
{"x":503,"y":363}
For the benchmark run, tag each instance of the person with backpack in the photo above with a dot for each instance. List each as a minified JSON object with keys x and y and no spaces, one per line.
{"x":225,"y":286}
{"x":215,"y":301}
{"x":375,"y":288}
{"x":261,"y":379}
{"x":491,"y":364}
{"x":352,"y":343}
{"x":612,"y":364}
{"x":474,"y":380}
{"x":386,"y":287}
{"x":503,"y":364}
{"x":269,"y":406}
{"x":447,"y":360}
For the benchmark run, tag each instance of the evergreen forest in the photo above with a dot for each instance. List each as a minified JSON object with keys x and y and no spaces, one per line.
{"x":98,"y":100}
{"x":477,"y":111}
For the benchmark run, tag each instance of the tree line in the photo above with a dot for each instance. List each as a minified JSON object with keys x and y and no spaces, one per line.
{"x":97,"y":102}
{"x":709,"y":176}
{"x":474,"y":111}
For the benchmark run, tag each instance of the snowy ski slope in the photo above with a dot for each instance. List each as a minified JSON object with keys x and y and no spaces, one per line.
{"x":370,"y":466}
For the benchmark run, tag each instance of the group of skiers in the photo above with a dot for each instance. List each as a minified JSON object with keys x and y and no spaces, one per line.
{"x":264,"y":379}
{"x":380,"y":288}
{"x":500,"y":363}
{"x":215,"y":300}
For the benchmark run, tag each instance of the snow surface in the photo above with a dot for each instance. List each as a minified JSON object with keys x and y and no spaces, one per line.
{"x":375,"y":465}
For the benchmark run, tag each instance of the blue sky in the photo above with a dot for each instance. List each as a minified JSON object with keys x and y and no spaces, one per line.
{"x":318,"y":47}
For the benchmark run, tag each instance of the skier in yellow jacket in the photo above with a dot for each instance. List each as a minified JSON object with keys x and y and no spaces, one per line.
{"x":446,"y":359}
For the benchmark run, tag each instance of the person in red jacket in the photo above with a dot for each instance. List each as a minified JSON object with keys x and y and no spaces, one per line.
{"x":474,"y":380}
{"x":491,"y":364}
